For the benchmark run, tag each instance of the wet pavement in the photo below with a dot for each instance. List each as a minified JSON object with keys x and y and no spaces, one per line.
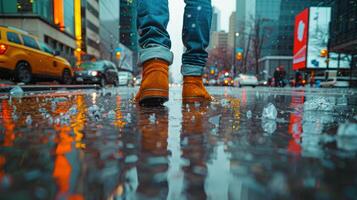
{"x":258,"y":143}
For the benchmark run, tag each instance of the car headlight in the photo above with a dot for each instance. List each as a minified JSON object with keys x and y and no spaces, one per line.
{"x":93,"y":73}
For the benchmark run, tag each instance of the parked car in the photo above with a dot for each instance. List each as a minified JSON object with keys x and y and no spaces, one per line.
{"x":334,"y":80}
{"x":212,"y":82}
{"x":24,"y":58}
{"x":125,"y":78}
{"x":100,"y":72}
{"x":263,"y":83}
{"x":245,"y":80}
{"x":225,"y":80}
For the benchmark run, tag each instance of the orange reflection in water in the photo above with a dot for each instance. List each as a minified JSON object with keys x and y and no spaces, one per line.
{"x":79,"y":121}
{"x":119,"y":122}
{"x":62,"y":171}
{"x":2,"y":164}
{"x":62,"y":167}
{"x":8,"y":124}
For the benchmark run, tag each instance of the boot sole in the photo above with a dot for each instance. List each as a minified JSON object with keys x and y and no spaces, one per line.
{"x":154,"y":97}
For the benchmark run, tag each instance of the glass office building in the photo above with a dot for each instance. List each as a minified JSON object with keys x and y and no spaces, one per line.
{"x":42,"y":8}
{"x":128,"y":32}
{"x":68,"y":10}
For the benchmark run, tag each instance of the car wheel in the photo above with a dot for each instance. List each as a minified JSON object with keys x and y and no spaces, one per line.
{"x":23,"y":73}
{"x":103,"y":82}
{"x":66,"y":77}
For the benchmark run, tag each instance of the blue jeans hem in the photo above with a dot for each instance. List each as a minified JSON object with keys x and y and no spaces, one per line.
{"x":156,"y":52}
{"x":192,"y":70}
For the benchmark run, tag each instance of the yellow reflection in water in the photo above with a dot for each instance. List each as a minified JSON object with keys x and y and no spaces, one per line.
{"x":79,"y":121}
{"x":119,"y":122}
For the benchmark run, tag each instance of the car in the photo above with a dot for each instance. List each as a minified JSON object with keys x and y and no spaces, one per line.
{"x":205,"y":81}
{"x":225,"y":80}
{"x":23,"y":58}
{"x":263,"y":83}
{"x":137,"y":80}
{"x":245,"y":80}
{"x":101,"y":72}
{"x":125,"y":78}
{"x":334,"y":80}
{"x":212,"y":82}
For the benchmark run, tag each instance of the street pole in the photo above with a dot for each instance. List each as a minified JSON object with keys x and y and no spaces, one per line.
{"x":234,"y":55}
{"x":112,"y":52}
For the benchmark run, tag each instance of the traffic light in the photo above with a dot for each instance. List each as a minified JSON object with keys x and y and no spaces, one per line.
{"x":118,"y":55}
{"x":323,"y":53}
{"x":239,"y":56}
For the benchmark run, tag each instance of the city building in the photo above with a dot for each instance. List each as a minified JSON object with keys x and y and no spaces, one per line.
{"x":272,"y":24}
{"x":91,"y":30}
{"x":216,"y":20}
{"x":215,"y":24}
{"x":51,"y":21}
{"x":109,"y":29}
{"x":343,"y":37}
{"x":232,"y":33}
{"x":128,"y":31}
{"x":219,"y":39}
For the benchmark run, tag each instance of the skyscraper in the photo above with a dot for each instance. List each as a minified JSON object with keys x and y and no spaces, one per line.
{"x":271,"y":23}
{"x":216,"y":19}
{"x":128,"y":30}
{"x":91,"y":29}
{"x":215,"y":24}
{"x":219,"y":40}
{"x":109,"y":28}
{"x":232,"y":30}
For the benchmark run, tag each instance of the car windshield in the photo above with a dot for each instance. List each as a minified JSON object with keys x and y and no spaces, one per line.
{"x":92,"y":66}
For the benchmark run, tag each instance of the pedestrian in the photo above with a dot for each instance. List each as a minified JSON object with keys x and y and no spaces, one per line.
{"x":155,"y":56}
{"x":276,"y":77}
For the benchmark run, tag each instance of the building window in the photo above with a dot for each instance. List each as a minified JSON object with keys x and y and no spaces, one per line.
{"x":43,"y":8}
{"x":69,"y":16}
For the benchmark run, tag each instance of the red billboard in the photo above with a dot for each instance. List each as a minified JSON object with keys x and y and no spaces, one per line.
{"x":300,"y":39}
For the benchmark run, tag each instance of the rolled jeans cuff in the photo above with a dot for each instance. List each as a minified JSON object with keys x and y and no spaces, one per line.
{"x":156,"y":52}
{"x":192,"y":70}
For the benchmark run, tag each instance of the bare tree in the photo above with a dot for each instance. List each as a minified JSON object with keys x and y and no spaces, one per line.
{"x":258,"y":36}
{"x":220,"y":57}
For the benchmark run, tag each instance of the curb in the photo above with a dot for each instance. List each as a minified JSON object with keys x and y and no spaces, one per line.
{"x":36,"y":88}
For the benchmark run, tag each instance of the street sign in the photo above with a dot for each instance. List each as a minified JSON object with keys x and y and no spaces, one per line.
{"x":240,"y":50}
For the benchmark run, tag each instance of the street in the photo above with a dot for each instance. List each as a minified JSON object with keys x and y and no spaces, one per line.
{"x":261,"y":143}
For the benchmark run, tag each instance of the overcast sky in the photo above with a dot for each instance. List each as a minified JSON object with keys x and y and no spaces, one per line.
{"x":175,"y":27}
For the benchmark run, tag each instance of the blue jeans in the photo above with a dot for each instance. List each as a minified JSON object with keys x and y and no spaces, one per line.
{"x":153,"y":17}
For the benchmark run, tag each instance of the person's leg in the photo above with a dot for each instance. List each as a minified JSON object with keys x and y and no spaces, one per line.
{"x":195,"y":36}
{"x":154,"y":55}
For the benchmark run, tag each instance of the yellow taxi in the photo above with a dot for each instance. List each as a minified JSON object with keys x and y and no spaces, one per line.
{"x":24,"y":58}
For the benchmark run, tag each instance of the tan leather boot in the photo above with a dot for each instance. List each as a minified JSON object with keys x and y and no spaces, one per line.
{"x":154,"y":88}
{"x":194,"y":90}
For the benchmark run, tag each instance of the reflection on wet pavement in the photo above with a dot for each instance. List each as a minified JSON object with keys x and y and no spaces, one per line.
{"x":97,"y":145}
